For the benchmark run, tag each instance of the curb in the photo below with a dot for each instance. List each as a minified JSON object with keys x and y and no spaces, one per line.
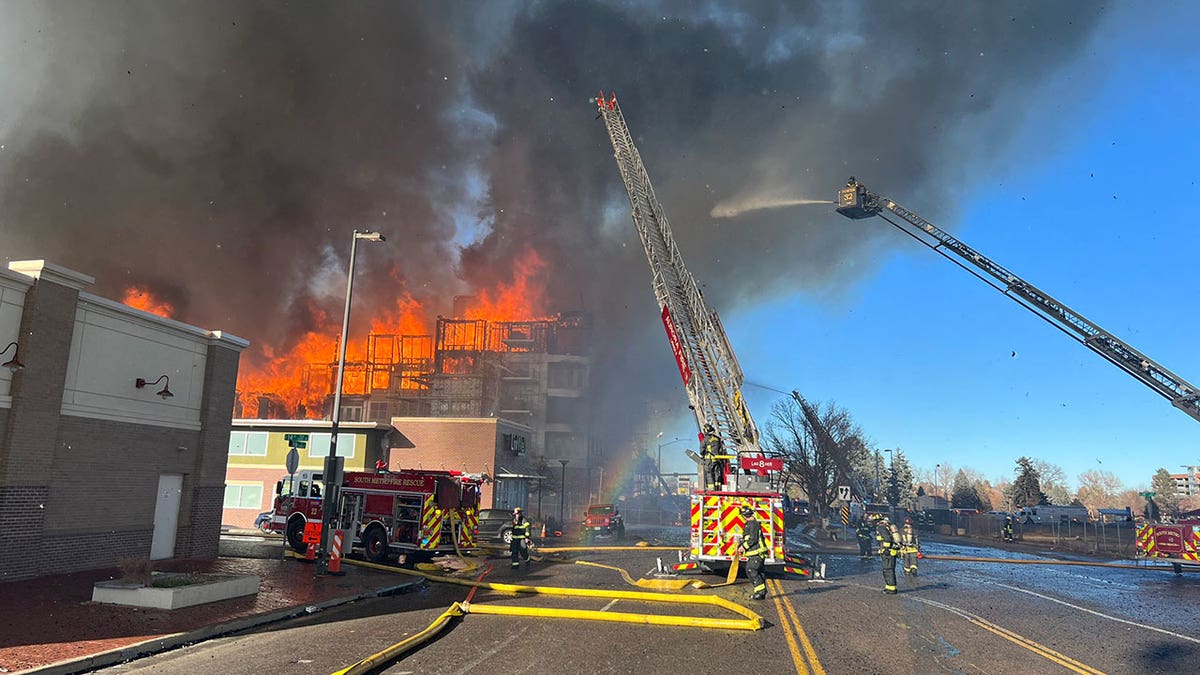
{"x":174,"y":640}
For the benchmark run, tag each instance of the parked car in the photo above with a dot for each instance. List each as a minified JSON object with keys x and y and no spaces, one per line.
{"x":262,"y":523}
{"x":495,"y":525}
{"x":603,"y":519}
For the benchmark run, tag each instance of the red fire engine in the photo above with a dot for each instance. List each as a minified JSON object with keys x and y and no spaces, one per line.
{"x":415,"y":513}
{"x":1178,"y":543}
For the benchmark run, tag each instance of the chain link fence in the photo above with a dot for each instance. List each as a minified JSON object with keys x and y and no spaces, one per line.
{"x":1115,"y":538}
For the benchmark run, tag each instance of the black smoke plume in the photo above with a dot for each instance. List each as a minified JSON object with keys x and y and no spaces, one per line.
{"x":221,"y":152}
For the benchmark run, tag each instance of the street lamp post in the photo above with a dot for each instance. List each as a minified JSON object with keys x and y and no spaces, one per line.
{"x":562,"y":495}
{"x":330,"y":500}
{"x":891,"y":474}
{"x":935,"y":484}
{"x":663,"y":445}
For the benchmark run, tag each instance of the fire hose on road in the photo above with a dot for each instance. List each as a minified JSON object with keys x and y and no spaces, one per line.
{"x":1079,"y":563}
{"x":751,"y":620}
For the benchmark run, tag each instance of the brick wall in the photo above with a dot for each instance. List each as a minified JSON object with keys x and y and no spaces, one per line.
{"x":471,"y":445}
{"x":80,"y":493}
{"x":21,"y":517}
{"x":27,"y":450}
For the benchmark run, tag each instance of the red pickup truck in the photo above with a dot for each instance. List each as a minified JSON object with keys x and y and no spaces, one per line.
{"x":603,"y":519}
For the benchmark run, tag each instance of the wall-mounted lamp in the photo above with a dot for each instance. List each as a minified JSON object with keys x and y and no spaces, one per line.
{"x":165,"y":393}
{"x":14,"y":364}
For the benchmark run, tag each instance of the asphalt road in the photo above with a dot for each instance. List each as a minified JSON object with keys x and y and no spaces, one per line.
{"x":954,"y":617}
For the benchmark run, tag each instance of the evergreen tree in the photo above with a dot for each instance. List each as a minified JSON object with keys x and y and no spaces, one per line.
{"x":1165,"y":496}
{"x":1026,"y":489}
{"x":964,"y":495}
{"x":900,"y":481}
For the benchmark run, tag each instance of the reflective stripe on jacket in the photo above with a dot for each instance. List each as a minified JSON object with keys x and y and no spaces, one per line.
{"x":753,"y":541}
{"x":520,"y":529}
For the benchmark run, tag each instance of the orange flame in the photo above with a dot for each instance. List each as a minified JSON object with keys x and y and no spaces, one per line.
{"x":519,"y":301}
{"x":304,"y":374}
{"x":140,"y":297}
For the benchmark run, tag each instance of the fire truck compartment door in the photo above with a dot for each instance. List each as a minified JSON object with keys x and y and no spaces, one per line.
{"x":448,"y":493}
{"x":470,"y":496}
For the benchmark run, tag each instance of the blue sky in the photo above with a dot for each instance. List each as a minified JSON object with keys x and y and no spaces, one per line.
{"x":1092,"y":202}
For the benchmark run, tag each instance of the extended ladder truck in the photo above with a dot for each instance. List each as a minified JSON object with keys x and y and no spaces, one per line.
{"x":711,"y":377}
{"x":856,"y":201}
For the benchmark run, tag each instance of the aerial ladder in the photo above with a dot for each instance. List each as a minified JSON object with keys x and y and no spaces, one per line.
{"x":856,"y":201}
{"x":711,"y":377}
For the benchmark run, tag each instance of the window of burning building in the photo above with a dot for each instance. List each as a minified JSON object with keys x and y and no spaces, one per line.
{"x":563,"y":410}
{"x":566,"y":375}
{"x":379,"y":411}
{"x":565,"y":444}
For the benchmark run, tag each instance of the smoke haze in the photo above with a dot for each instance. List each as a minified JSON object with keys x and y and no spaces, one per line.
{"x":219,"y":153}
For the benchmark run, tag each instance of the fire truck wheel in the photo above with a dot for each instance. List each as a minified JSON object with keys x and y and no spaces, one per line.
{"x":295,"y":535}
{"x":506,"y":536}
{"x":375,"y":545}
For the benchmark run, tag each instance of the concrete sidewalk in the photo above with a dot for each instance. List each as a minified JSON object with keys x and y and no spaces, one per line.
{"x":50,"y":625}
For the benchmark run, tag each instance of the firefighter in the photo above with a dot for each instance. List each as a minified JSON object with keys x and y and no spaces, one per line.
{"x":714,"y":469}
{"x":865,"y":532}
{"x":1007,"y":531}
{"x":753,"y":545}
{"x":889,"y":548}
{"x":910,"y":547}
{"x":519,"y":546}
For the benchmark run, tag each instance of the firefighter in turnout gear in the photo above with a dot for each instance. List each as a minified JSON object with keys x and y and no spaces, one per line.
{"x":519,"y":546}
{"x":889,"y":548}
{"x":865,"y":533}
{"x":714,"y":468}
{"x":754,"y":546}
{"x":1007,"y":531}
{"x":910,"y":547}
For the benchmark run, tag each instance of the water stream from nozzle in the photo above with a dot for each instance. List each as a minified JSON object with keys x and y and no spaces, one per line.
{"x":729,"y":209}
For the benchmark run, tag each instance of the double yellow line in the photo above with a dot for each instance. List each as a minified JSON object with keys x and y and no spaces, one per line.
{"x":1039,"y":649}
{"x":806,"y":663}
{"x":1017,"y":639}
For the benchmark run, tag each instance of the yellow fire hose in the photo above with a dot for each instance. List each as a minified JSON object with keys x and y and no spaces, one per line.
{"x":379,"y":658}
{"x":751,"y":620}
{"x":1080,"y":563}
{"x":668,"y":584}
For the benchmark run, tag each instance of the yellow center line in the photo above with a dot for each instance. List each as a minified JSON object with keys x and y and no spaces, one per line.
{"x":814,"y":663}
{"x":1017,"y":639}
{"x":801,"y":666}
{"x":1041,"y":650}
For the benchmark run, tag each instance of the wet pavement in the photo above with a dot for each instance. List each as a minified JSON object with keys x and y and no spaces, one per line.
{"x":51,"y":621}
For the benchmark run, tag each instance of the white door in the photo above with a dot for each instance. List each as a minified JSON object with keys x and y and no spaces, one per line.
{"x":166,"y":515}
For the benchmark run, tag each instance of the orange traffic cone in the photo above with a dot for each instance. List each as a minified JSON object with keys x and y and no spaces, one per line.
{"x":543,"y":530}
{"x":311,"y":553}
{"x":335,"y":553}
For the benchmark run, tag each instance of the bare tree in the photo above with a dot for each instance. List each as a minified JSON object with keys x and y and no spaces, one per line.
{"x":1098,"y":489}
{"x":1053,"y":481}
{"x":818,"y":444}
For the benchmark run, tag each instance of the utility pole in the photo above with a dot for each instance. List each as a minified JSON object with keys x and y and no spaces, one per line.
{"x":562,"y":495}
{"x":329,"y":502}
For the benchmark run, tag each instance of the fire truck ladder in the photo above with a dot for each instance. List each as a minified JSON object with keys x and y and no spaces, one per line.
{"x":855,"y":201}
{"x":710,"y":371}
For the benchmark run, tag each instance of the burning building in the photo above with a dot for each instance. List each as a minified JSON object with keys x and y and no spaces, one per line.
{"x":531,"y":372}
